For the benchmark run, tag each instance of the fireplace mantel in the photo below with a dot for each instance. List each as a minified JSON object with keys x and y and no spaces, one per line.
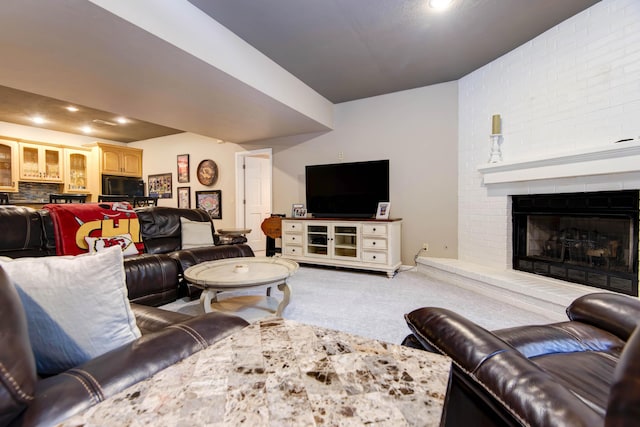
{"x":620,"y":158}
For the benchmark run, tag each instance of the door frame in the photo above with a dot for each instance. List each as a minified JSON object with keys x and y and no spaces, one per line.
{"x":240,"y":187}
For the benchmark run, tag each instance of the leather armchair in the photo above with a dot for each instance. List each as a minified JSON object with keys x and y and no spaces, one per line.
{"x":582,"y":372}
{"x":26,"y":400}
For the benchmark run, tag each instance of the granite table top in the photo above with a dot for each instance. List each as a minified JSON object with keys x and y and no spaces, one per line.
{"x":282,"y":373}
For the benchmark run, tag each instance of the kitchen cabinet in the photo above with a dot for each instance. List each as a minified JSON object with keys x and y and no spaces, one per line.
{"x":79,"y":169}
{"x":40,"y":162}
{"x":119,"y":160}
{"x":8,"y":165}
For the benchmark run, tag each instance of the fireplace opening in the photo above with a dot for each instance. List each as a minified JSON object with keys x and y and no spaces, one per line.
{"x":587,"y":238}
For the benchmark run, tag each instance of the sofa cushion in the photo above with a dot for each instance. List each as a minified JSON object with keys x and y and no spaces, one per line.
{"x":160,"y":227}
{"x":77,"y":307}
{"x":17,"y":366}
{"x":195,"y":234}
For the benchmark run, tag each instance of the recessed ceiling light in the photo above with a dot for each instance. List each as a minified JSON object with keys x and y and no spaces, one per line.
{"x":38,"y":120}
{"x":72,"y":109}
{"x":86,"y":129}
{"x":440,"y":4}
{"x":122,"y":120}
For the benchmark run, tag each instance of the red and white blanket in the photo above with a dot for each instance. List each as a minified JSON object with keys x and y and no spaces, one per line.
{"x":75,"y":221}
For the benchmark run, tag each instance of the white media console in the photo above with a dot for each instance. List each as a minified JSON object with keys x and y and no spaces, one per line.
{"x":364,"y":244}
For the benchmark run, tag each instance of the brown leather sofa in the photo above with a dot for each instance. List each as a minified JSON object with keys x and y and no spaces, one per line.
{"x":154,"y":277}
{"x":28,"y":400}
{"x":581,"y":372}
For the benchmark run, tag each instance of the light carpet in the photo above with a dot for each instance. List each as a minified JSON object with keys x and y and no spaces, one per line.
{"x":372,"y":305}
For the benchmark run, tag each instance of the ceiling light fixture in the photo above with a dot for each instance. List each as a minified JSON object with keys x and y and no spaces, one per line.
{"x":72,"y":109}
{"x":122,"y":120}
{"x":39,"y":120}
{"x":86,"y":129}
{"x":440,"y":4}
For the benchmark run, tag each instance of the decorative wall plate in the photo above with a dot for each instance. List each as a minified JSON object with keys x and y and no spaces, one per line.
{"x":207,"y":172}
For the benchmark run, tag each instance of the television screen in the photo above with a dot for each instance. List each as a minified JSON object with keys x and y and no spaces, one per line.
{"x":347,"y":189}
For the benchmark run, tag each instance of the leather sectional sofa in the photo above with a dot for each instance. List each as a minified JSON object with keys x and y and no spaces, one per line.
{"x":153,"y":278}
{"x":581,"y":372}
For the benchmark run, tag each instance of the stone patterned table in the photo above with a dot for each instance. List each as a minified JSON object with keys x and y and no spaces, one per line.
{"x":282,"y":373}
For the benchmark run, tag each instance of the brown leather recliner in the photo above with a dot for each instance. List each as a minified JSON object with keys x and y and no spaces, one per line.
{"x":582,"y":372}
{"x":27,"y":400}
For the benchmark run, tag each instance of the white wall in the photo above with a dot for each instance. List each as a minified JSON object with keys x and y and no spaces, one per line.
{"x":160,"y":156}
{"x":573,"y":87}
{"x":417,"y":131}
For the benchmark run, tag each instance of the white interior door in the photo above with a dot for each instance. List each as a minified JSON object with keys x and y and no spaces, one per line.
{"x":256,"y":180}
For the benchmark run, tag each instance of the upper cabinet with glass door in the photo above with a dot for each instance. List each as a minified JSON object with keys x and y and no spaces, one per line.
{"x":40,"y":162}
{"x":77,"y":168}
{"x":8,"y":165}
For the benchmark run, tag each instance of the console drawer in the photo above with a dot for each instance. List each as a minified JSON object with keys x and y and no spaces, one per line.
{"x":293,"y":239}
{"x":295,"y":227}
{"x":293,"y":250}
{"x":374,"y":244}
{"x":374,"y":229}
{"x":377,"y":257}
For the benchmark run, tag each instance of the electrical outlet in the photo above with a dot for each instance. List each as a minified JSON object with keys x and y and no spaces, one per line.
{"x":425,"y":247}
{"x":340,"y":155}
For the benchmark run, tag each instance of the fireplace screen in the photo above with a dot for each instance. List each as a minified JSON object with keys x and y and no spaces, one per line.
{"x":593,"y":246}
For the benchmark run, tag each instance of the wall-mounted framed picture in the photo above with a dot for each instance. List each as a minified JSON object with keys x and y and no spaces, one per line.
{"x":383,"y":210}
{"x":160,"y":186}
{"x":183,"y":168}
{"x":184,"y":197}
{"x":207,"y":172}
{"x":210,"y":201}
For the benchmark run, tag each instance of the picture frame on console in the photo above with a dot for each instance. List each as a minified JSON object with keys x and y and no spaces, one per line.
{"x":295,"y":210}
{"x":184,"y":197}
{"x":300,"y":213}
{"x":160,"y":186}
{"x":210,"y":201}
{"x":383,"y":210}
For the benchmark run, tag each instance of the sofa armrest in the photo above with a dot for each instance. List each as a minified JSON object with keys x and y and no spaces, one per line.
{"x":70,"y":392}
{"x":615,"y":313}
{"x":153,"y":319}
{"x":498,"y":373}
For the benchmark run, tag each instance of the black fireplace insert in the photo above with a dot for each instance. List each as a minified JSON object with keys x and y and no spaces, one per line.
{"x":587,"y":238}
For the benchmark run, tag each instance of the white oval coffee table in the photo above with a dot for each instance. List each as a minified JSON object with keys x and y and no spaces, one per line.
{"x":239,"y":274}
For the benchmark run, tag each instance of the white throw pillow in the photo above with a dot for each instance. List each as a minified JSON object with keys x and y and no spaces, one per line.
{"x":98,"y":244}
{"x":195,"y":234}
{"x":77,"y":306}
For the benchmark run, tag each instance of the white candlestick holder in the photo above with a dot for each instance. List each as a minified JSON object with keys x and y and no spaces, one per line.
{"x":495,"y":155}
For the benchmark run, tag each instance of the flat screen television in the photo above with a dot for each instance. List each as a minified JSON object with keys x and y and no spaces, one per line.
{"x":348,"y":190}
{"x":119,"y":185}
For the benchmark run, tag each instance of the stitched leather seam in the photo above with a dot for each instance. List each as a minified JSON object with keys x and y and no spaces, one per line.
{"x":477,"y":381}
{"x":192,"y":333}
{"x":94,"y":398}
{"x":12,"y":381}
{"x":91,"y":381}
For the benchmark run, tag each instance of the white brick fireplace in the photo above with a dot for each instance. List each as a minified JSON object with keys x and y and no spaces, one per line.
{"x":565,"y":98}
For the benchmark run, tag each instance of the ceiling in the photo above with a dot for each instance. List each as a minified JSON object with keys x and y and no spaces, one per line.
{"x":343,"y":49}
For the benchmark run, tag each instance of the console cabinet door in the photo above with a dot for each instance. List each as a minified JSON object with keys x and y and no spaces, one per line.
{"x":8,"y":165}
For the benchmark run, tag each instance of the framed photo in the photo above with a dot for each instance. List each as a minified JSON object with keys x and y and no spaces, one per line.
{"x":295,"y":208}
{"x":184,"y":197}
{"x":383,"y":210}
{"x":160,"y":186}
{"x":207,"y":172}
{"x":210,"y":201}
{"x":300,"y":213}
{"x":183,"y":168}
